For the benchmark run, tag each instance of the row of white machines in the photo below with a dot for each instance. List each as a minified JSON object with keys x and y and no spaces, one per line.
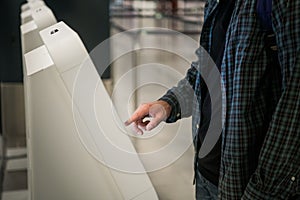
{"x":65,"y":143}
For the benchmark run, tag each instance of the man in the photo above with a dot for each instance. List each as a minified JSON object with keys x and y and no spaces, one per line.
{"x":260,"y":151}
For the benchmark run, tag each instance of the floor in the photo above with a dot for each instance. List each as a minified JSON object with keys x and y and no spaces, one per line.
{"x":175,"y":180}
{"x":15,"y":176}
{"x":14,"y":171}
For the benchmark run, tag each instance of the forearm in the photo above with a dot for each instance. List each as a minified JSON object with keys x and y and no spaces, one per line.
{"x":180,"y":98}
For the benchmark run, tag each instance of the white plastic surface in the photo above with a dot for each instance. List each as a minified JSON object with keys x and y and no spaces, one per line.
{"x":30,"y":38}
{"x":24,"y":7}
{"x":26,"y":16}
{"x":28,"y":9}
{"x":68,"y":55}
{"x":62,"y":166}
{"x":37,"y":60}
{"x":42,"y":17}
{"x":35,"y":3}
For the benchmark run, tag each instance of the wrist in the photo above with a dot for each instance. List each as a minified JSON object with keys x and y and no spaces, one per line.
{"x":167,"y":107}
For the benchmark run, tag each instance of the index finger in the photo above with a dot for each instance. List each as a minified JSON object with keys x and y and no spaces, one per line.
{"x":139,"y":114}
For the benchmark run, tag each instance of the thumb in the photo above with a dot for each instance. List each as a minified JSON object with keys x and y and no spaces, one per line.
{"x":153,"y":123}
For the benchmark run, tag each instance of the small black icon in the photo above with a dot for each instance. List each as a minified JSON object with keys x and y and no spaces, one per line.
{"x":54,"y":31}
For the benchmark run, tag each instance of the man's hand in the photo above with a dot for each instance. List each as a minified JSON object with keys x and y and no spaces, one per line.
{"x":149,"y":115}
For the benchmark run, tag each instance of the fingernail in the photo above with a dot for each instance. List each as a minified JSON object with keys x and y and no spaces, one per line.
{"x":126,"y":123}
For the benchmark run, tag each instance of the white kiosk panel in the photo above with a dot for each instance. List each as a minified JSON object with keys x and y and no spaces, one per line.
{"x":62,"y":165}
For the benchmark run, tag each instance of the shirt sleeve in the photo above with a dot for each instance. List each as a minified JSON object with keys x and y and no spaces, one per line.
{"x":279,"y":162}
{"x":278,"y":173}
{"x":180,"y":97}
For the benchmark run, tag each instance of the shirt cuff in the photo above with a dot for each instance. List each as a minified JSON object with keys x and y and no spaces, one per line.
{"x":175,"y":113}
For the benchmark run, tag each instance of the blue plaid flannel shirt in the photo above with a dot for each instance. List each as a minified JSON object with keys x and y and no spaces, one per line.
{"x":261,"y":136}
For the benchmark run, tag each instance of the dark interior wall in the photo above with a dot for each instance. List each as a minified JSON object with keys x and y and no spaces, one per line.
{"x":89,"y":18}
{"x":1,"y":131}
{"x":10,"y":52}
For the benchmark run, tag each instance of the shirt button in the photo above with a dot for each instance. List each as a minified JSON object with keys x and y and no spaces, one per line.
{"x":178,"y":114}
{"x":293,"y":178}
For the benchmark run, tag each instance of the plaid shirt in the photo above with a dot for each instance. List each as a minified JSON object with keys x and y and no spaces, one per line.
{"x":261,"y":136}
